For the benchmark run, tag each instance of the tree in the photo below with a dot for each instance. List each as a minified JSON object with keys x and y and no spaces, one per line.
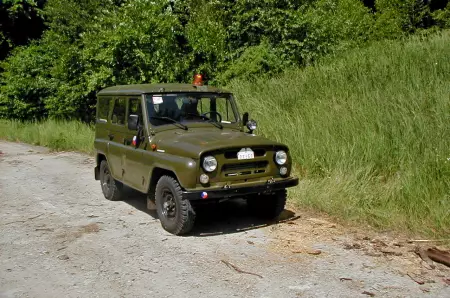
{"x":20,"y":22}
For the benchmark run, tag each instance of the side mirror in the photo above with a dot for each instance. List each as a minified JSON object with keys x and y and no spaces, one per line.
{"x":133,"y":122}
{"x":245,"y":118}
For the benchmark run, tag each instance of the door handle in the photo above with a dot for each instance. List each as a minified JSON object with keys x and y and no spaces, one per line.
{"x":111,"y":136}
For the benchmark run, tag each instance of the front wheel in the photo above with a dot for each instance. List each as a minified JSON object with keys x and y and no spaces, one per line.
{"x":175,"y":213}
{"x":268,"y":206}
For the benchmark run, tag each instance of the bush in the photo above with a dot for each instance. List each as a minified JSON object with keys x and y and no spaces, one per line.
{"x":25,"y":85}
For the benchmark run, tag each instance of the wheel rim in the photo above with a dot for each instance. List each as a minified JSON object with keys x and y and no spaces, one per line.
{"x":106,"y":181}
{"x":168,"y":204}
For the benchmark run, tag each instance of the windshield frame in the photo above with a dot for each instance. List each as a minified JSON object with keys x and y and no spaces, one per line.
{"x":193,"y":124}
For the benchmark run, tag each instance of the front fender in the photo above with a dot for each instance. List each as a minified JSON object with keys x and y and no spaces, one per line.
{"x":185,"y":169}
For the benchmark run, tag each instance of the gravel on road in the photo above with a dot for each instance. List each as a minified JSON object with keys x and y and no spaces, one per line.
{"x":59,"y":237}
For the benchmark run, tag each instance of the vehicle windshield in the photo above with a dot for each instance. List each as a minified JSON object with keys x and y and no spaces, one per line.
{"x":164,"y":109}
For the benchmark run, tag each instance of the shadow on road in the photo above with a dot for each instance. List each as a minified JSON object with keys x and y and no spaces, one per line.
{"x":214,"y":219}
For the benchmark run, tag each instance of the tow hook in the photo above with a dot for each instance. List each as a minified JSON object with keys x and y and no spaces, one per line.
{"x":270,"y":181}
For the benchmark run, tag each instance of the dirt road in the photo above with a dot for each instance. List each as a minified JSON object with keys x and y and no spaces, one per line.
{"x":60,"y":238}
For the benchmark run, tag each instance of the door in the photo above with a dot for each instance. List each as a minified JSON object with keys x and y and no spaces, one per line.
{"x":136,"y":170}
{"x":103,"y":123}
{"x":117,"y":133}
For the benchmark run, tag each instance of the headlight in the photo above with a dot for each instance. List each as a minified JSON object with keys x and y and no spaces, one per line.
{"x":280,"y":157}
{"x":209,"y":164}
{"x":251,"y":125}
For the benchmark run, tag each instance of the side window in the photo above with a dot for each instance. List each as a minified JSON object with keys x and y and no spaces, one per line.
{"x":203,"y":105}
{"x":103,"y":109}
{"x":118,"y":116}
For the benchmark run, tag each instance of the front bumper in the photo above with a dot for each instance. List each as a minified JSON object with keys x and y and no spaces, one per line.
{"x":232,"y":192}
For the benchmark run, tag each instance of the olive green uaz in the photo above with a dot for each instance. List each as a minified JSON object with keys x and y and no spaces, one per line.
{"x":183,"y":144}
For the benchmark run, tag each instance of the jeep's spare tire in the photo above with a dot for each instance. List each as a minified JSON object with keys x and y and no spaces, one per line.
{"x":175,"y":213}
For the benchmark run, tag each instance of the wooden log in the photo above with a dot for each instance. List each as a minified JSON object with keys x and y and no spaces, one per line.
{"x":439,"y":256}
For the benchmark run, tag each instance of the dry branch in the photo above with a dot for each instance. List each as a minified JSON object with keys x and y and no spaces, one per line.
{"x":424,"y":256}
{"x":238,"y":269}
{"x":36,"y":216}
{"x":428,"y":240}
{"x":420,"y":282}
{"x":11,"y":222}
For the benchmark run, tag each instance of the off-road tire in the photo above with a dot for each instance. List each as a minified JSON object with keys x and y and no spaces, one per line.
{"x":111,"y":188}
{"x":181,"y":220}
{"x":267,"y":206}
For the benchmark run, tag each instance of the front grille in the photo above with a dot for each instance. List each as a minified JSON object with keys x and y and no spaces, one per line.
{"x":232,"y":154}
{"x":244,"y":166}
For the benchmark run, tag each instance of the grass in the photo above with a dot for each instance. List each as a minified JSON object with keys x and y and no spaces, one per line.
{"x":57,"y":135}
{"x":369,"y":133}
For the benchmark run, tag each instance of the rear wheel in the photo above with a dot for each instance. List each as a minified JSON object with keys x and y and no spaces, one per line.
{"x":175,"y":213}
{"x":112,"y":189}
{"x":268,"y":206}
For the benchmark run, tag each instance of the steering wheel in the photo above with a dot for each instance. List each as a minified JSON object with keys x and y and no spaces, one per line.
{"x":212,"y":112}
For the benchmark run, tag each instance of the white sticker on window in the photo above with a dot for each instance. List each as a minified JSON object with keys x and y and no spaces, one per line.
{"x":157,"y":100}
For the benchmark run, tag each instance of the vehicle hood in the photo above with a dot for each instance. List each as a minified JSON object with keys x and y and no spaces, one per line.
{"x":194,"y":142}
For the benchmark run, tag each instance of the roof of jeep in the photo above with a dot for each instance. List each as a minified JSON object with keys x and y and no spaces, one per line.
{"x":139,"y":89}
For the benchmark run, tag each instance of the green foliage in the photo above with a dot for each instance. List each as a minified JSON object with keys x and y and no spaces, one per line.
{"x":105,"y":44}
{"x":91,"y":44}
{"x":442,"y":17}
{"x":255,"y":61}
{"x":399,"y":17}
{"x":26,"y":85}
{"x":206,"y":36}
{"x":335,"y":26}
{"x":20,"y":21}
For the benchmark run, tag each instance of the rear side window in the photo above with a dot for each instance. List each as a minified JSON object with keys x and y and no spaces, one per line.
{"x":120,"y":106}
{"x":103,"y":109}
{"x":135,"y":107}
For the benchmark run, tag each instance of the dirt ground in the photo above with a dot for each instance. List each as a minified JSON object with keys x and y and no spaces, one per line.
{"x":59,"y":237}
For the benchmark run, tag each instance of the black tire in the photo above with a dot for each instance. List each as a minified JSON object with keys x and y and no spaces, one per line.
{"x":268,"y":206}
{"x":175,"y":213}
{"x":111,"y":188}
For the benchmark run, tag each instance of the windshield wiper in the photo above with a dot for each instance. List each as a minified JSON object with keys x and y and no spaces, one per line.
{"x":215,"y":123}
{"x":168,"y":119}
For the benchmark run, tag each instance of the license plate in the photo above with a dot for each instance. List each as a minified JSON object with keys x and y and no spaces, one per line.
{"x":246,"y":153}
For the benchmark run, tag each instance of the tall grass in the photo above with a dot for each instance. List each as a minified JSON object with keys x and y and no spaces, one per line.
{"x":369,"y":132}
{"x":57,"y":135}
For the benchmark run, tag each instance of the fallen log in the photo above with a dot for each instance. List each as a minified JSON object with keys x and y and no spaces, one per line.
{"x":439,"y":256}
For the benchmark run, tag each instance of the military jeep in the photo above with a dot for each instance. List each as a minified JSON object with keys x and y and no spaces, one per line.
{"x":185,"y":144}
